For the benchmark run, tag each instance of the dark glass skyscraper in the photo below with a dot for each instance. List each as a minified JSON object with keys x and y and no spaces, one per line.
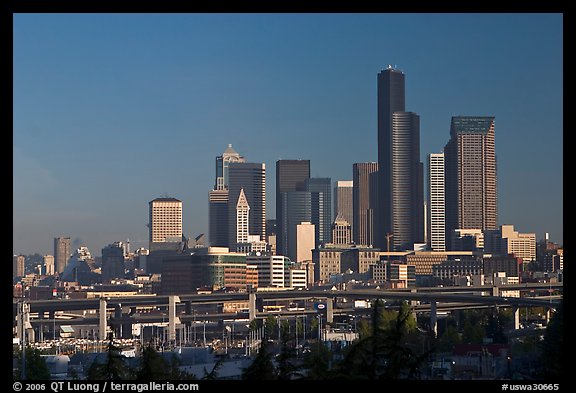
{"x":290,"y":176}
{"x":320,"y":189}
{"x":364,"y":201}
{"x":297,"y":208}
{"x":400,"y":211}
{"x":252,"y":178}
{"x":470,"y":170}
{"x":218,"y":199}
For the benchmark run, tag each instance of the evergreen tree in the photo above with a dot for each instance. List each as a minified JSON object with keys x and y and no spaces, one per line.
{"x":213,"y":374}
{"x":316,"y":363}
{"x":270,"y":326}
{"x":287,"y":368}
{"x":35,"y":365}
{"x":114,"y":366}
{"x":262,"y":367}
{"x":152,"y":365}
{"x":385,"y":353}
{"x":553,"y":345}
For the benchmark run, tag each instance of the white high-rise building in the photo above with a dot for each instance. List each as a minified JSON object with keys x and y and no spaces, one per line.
{"x":436,"y":202}
{"x":273,"y":270}
{"x":341,"y":231}
{"x":506,"y":241}
{"x":49,"y":265}
{"x":165,"y":220}
{"x":18,"y":265}
{"x":242,"y":215}
{"x":305,"y":241}
{"x":343,"y":200}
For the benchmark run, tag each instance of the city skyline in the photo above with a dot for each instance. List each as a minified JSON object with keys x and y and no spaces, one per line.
{"x":110,"y":115}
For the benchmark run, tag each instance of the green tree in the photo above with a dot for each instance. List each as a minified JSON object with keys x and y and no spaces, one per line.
{"x":155,"y":367}
{"x":174,"y":371}
{"x":473,"y":333}
{"x":448,"y":340}
{"x":152,"y":365}
{"x":553,"y":345}
{"x":363,"y":328}
{"x":213,"y":374}
{"x":385,"y":353}
{"x":270,"y":326}
{"x":262,"y":367}
{"x":287,"y":368}
{"x":254,"y":325}
{"x":35,"y":365}
{"x":299,"y":326}
{"x":496,"y":322}
{"x":114,"y":366}
{"x":316,"y":363}
{"x":314,"y":327}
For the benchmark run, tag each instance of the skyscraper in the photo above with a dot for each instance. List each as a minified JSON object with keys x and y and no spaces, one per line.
{"x":18,"y":265}
{"x":252,"y":178}
{"x":290,"y":176}
{"x":222,"y":163}
{"x":364,"y":201}
{"x":320,"y":189}
{"x":218,"y":218}
{"x":470,"y":165}
{"x":62,"y":252}
{"x":242,"y":217}
{"x":112,"y":261}
{"x":436,"y":202}
{"x":341,"y":233}
{"x":49,"y":265}
{"x":165,"y":221}
{"x":343,"y":200}
{"x":218,"y":199}
{"x":400,"y":211}
{"x":305,"y":241}
{"x":297,"y":208}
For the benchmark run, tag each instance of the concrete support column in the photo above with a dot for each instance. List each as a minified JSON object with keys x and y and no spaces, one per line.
{"x":433,"y":318}
{"x":252,"y":306}
{"x":20,"y":321}
{"x":30,"y":334}
{"x":495,"y":291}
{"x":102,"y":320}
{"x":172,"y":319}
{"x":329,"y":310}
{"x":516,"y":313}
{"x":25,"y":333}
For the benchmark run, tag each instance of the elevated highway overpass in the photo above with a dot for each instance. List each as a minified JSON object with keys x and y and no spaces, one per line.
{"x":423,"y":300}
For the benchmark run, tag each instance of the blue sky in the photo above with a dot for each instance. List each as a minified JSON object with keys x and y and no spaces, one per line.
{"x":113,"y":110}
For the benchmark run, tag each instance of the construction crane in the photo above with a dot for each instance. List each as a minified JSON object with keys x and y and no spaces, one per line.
{"x":388,"y":237}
